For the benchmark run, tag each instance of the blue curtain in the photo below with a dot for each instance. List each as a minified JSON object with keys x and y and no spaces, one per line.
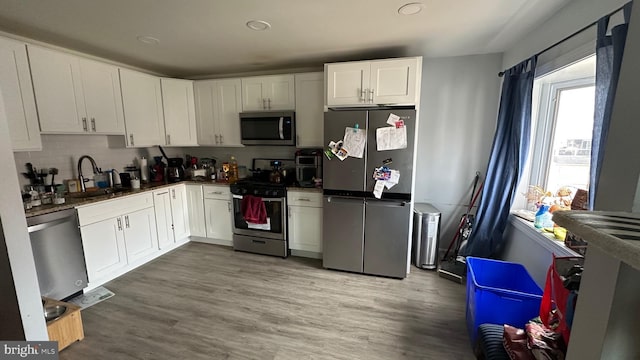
{"x":609,"y":52}
{"x":507,"y":160}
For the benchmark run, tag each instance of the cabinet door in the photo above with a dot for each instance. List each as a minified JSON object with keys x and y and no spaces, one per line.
{"x":309,"y":109}
{"x":143,"y":116}
{"x":17,"y":93}
{"x":104,"y":248}
{"x":280,"y":92}
{"x":254,"y":94}
{"x":305,"y":228}
{"x":179,"y":212}
{"x":195,"y":206}
{"x":227,"y":106}
{"x":140,"y":234}
{"x":347,"y":83}
{"x":179,"y":112}
{"x":218,"y":219}
{"x":102,"y":96}
{"x":58,"y":90}
{"x":162,"y":208}
{"x":394,"y":81}
{"x":205,"y":118}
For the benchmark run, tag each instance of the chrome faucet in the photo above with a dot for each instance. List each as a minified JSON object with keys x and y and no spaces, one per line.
{"x":83,"y":187}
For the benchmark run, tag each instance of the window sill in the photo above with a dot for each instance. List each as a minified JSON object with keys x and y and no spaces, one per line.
{"x":555,"y":246}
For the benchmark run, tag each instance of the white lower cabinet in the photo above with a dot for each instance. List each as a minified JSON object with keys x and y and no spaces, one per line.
{"x":195,"y":209}
{"x":104,"y":249}
{"x":305,"y":222}
{"x":140,"y":237}
{"x":218,"y":211}
{"x":171,"y":216}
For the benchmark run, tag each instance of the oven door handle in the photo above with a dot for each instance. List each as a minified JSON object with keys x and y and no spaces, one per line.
{"x":263,"y":199}
{"x":280,"y":127}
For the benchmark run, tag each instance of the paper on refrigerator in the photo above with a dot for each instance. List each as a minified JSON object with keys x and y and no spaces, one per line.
{"x":378,"y":188}
{"x":354,"y":141}
{"x":393,"y":180}
{"x":391,"y":138}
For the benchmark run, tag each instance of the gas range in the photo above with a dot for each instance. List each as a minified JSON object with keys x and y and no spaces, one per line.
{"x":259,"y":188}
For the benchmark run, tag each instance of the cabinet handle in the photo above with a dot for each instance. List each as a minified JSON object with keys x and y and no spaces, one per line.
{"x":168,"y":139}
{"x":216,"y":139}
{"x":93,"y":124}
{"x":229,"y":206}
{"x":221,"y":140}
{"x":362,"y":94}
{"x":263,"y":103}
{"x":126,"y":221}
{"x":84,"y":123}
{"x":162,"y":193}
{"x":297,"y":139}
{"x":216,"y":192}
{"x":119,"y":224}
{"x":131,"y":140}
{"x":289,"y":211}
{"x":173,"y":193}
{"x":371,"y":91}
{"x":304,"y":199}
{"x":269,"y":103}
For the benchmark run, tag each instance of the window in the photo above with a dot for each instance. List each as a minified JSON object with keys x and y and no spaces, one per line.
{"x":562,"y":120}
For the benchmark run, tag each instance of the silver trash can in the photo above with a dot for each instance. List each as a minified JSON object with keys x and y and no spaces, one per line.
{"x":426,"y":236}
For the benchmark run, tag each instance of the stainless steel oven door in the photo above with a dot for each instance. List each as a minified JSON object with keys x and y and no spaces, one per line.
{"x":276,"y":226}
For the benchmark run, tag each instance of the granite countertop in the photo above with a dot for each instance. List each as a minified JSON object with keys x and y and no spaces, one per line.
{"x":74,"y":199}
{"x":615,"y":233}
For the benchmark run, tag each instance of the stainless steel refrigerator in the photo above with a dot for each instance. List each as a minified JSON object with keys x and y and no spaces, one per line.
{"x":361,"y":233}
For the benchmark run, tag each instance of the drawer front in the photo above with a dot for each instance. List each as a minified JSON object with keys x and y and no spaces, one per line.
{"x":304,"y":198}
{"x":107,"y":209}
{"x":218,"y":192}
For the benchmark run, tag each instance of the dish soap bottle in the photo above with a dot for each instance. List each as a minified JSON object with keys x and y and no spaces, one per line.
{"x":233,"y":170}
{"x":543,"y":217}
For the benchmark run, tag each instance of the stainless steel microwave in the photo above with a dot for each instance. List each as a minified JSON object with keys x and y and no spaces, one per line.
{"x":268,"y":128}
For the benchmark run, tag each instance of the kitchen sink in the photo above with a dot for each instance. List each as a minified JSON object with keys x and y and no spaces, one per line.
{"x":95,"y":193}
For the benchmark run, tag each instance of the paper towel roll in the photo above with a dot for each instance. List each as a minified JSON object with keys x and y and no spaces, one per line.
{"x":144,"y":169}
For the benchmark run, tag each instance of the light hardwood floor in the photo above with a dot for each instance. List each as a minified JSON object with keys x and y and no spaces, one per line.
{"x":208,"y":302}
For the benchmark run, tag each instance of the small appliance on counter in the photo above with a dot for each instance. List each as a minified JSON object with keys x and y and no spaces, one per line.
{"x":308,"y":167}
{"x":175,"y":168}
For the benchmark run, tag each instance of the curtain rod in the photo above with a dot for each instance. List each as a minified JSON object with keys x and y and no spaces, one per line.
{"x":501,"y":73}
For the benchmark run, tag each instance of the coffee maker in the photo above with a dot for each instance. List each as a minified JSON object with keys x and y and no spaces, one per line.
{"x":175,"y":170}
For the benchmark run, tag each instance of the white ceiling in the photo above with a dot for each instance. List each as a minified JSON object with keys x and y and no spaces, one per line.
{"x":208,"y":37}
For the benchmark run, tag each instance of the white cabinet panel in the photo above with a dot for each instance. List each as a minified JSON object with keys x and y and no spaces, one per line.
{"x":140,"y":234}
{"x":275,"y":92}
{"x":102,"y":96}
{"x":179,"y":112}
{"x":58,"y":90}
{"x":218,"y":219}
{"x":305,"y":228}
{"x":347,"y":83}
{"x":179,"y":212}
{"x":162,"y":208}
{"x":17,"y":93}
{"x":195,"y":204}
{"x":218,"y":103}
{"x":104,"y":248}
{"x":394,"y":81}
{"x":143,"y":114}
{"x":309,"y":109}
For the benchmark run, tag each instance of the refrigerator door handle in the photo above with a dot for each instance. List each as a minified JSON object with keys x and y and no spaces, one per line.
{"x":280,"y":127}
{"x":342,"y":199}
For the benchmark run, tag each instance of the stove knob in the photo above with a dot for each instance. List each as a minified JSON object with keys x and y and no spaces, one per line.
{"x":255,"y":192}
{"x":243,"y":191}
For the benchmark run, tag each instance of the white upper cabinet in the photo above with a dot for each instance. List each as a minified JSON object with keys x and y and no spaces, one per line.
{"x":143,"y":115}
{"x":75,"y":95}
{"x":309,"y":109}
{"x":179,"y":112}
{"x":17,"y":93}
{"x":378,"y":82}
{"x":275,"y":92}
{"x":218,"y":103}
{"x":102,"y":97}
{"x":58,"y":89}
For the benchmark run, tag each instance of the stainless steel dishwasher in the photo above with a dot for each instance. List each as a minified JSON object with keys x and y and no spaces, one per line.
{"x":58,"y":254}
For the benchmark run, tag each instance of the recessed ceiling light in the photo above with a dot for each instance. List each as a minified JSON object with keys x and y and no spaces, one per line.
{"x":149,"y":40}
{"x":410,"y":8}
{"x":258,"y":25}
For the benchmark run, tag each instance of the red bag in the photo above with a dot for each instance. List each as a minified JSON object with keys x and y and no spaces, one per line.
{"x":555,"y":297}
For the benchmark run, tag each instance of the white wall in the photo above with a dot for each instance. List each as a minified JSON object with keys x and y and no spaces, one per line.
{"x":574,"y":16}
{"x":458,"y":110}
{"x":18,"y":244}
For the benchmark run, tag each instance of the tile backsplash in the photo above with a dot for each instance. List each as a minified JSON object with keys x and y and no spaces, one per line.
{"x":63,"y":151}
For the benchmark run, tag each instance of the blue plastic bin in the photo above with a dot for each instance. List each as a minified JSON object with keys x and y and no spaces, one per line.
{"x":499,"y":292}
